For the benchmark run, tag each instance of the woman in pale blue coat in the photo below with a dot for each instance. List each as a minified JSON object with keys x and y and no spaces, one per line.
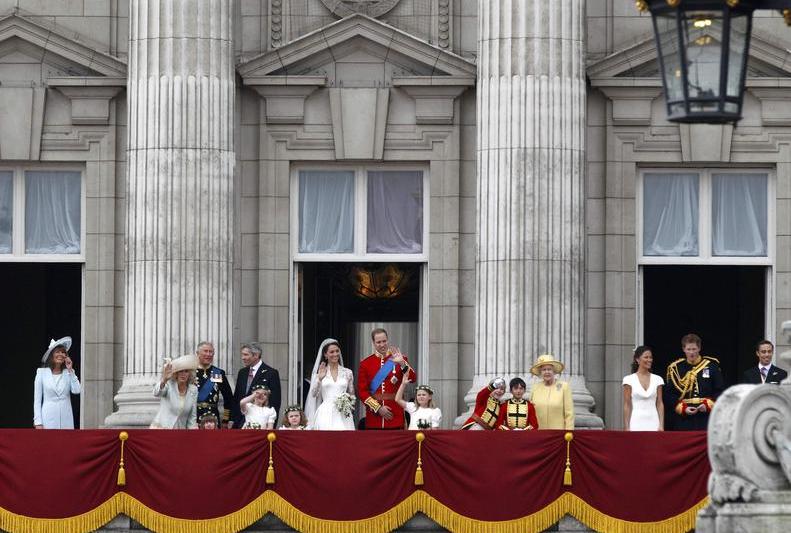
{"x":53,"y":387}
{"x":178,"y":395}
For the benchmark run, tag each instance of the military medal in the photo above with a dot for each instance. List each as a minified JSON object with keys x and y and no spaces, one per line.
{"x":216,"y":377}
{"x":394,"y":380}
{"x":706,"y":373}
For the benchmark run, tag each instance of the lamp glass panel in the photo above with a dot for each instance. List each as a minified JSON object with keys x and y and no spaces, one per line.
{"x":670,"y":51}
{"x":737,"y":55}
{"x":703,"y":58}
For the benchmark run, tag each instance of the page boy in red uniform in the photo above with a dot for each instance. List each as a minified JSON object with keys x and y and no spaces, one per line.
{"x":489,"y":412}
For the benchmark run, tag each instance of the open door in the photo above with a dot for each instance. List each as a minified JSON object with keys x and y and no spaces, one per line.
{"x":724,"y":305}
{"x":41,"y":301}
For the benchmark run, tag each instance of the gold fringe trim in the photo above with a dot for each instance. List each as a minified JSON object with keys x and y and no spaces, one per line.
{"x":93,"y":519}
{"x":419,"y":501}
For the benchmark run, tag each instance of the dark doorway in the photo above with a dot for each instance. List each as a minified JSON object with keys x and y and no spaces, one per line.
{"x":338,"y":300}
{"x":41,"y":301}
{"x":724,"y":305}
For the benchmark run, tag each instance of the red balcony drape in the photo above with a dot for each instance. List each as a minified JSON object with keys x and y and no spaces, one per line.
{"x":351,"y":481}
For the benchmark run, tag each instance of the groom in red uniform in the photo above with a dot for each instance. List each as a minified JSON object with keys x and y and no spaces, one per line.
{"x":378,"y":379}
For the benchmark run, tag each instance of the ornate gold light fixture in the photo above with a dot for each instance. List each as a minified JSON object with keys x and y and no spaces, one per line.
{"x":386,"y":281}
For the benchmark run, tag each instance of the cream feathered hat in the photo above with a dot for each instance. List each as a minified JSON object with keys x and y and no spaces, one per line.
{"x":185,"y":362}
{"x":65,"y":342}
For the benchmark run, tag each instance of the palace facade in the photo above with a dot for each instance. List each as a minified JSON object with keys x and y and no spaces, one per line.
{"x":489,"y":180}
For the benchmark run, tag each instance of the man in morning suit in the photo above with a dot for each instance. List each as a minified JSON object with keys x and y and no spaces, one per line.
{"x":255,"y":372}
{"x":212,"y":382}
{"x":378,"y":378}
{"x":764,"y":371}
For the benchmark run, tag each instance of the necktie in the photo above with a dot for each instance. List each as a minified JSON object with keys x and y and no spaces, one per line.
{"x":763,"y":374}
{"x":250,"y":377}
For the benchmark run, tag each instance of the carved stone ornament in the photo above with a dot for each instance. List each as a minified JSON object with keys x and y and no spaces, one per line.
{"x":750,"y":455}
{"x":372,"y":8}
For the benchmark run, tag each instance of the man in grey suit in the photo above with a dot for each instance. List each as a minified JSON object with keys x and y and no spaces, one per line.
{"x":254,"y":372}
{"x":765,"y":371}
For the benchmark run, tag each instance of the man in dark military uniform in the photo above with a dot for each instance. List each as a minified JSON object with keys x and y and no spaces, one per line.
{"x":520,"y":413}
{"x":693,"y":384}
{"x":212,"y":382}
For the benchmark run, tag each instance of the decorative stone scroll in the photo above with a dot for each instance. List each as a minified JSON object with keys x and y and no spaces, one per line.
{"x":750,"y":456}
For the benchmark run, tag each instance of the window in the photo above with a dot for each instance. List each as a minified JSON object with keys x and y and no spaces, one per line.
{"x":40,"y":213}
{"x":714,"y":215}
{"x":360,"y":213}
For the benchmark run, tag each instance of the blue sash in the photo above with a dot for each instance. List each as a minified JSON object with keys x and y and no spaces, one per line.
{"x":206,"y":388}
{"x":381,"y":375}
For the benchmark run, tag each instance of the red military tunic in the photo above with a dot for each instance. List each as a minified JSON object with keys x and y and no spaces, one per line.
{"x":520,"y":414}
{"x":384,"y":395}
{"x":489,"y":413}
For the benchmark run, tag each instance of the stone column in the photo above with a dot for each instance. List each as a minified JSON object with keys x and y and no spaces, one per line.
{"x":531,"y":165}
{"x":179,"y":230}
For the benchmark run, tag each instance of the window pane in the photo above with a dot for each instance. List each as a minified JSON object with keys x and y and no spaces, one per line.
{"x":326,"y":211}
{"x":738,"y":214}
{"x":395,"y":212}
{"x":6,"y":210}
{"x":52,"y":212}
{"x":670,"y":214}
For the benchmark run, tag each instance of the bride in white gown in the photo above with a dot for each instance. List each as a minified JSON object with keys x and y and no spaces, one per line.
{"x":329,"y":380}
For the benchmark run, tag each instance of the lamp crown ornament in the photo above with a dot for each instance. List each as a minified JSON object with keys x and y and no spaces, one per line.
{"x":703,"y":48}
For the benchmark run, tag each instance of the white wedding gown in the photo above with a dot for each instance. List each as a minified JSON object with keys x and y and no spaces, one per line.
{"x":327,"y":416}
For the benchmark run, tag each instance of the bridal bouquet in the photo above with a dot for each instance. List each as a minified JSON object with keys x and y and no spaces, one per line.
{"x":252,"y":425}
{"x":345,"y":404}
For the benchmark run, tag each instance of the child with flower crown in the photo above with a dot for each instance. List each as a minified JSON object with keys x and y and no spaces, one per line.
{"x":422,"y":413}
{"x":256,"y":410}
{"x":207,"y":421}
{"x":295,"y":418}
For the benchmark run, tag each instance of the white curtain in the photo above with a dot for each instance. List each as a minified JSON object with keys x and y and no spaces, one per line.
{"x":670,"y":214}
{"x":738,"y":212}
{"x":52,"y":212}
{"x":6,"y":211}
{"x":395,"y":212}
{"x":326,"y":211}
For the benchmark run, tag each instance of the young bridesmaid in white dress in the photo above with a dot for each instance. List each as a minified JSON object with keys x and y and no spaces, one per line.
{"x":643,"y":409}
{"x":422,"y":413}
{"x":256,"y":410}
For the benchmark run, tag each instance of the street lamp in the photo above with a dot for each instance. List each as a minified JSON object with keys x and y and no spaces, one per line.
{"x":702,"y":47}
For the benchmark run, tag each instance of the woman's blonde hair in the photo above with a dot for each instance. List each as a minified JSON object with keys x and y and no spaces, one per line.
{"x":190,"y":380}
{"x":430,"y":393}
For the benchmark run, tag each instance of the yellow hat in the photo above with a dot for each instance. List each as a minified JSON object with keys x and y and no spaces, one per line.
{"x":547,"y":359}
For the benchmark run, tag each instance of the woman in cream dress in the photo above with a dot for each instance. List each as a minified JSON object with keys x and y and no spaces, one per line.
{"x":53,"y":387}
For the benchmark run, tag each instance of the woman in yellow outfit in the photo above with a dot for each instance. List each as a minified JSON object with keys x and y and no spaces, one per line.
{"x":552,"y":398}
